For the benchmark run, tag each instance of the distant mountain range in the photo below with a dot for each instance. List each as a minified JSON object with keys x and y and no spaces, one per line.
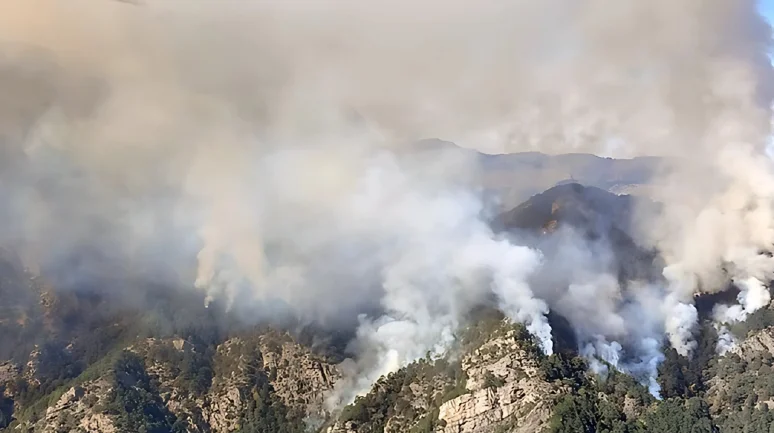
{"x":514,"y":177}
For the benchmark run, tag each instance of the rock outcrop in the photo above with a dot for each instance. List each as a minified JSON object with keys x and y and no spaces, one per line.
{"x":756,"y":344}
{"x":299,"y":377}
{"x":8,"y":372}
{"x":495,"y":386}
{"x":79,"y":409}
{"x":294,"y":374}
{"x":505,"y":391}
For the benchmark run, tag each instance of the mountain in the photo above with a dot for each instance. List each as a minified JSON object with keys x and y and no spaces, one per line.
{"x":515,"y":177}
{"x":85,"y":361}
{"x":602,"y":221}
{"x":589,"y":208}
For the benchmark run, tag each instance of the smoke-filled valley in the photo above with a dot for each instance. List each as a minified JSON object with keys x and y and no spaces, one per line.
{"x":385,"y":216}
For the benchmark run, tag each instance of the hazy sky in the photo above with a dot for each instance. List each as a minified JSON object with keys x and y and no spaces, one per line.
{"x":767,"y":7}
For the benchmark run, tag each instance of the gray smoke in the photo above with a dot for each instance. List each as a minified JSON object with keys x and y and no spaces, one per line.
{"x":255,"y":151}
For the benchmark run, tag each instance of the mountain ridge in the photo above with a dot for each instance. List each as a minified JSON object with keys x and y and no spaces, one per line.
{"x":173,"y":369}
{"x":515,"y":177}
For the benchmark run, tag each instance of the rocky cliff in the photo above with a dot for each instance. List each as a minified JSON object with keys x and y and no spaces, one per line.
{"x":198,"y":389}
{"x":505,"y":391}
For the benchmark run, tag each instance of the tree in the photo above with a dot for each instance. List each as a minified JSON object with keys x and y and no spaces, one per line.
{"x":560,"y":367}
{"x":575,"y":414}
{"x":670,"y":375}
{"x":134,"y":400}
{"x":680,"y":416}
{"x":6,"y":408}
{"x":585,"y":412}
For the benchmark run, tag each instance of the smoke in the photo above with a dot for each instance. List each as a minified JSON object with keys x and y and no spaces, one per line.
{"x":615,"y":316}
{"x":726,"y":340}
{"x":643,"y":367}
{"x":440,"y":259}
{"x":753,"y":296}
{"x":257,"y":152}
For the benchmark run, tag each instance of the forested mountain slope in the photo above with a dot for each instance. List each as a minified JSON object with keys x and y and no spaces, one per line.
{"x":81,"y":361}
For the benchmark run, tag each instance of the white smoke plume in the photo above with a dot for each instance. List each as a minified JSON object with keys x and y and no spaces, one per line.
{"x":621,"y":326}
{"x":726,"y":340}
{"x":438,"y":259}
{"x":753,"y":295}
{"x":255,"y":150}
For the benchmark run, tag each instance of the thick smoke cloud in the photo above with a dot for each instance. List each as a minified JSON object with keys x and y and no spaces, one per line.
{"x":256,"y":151}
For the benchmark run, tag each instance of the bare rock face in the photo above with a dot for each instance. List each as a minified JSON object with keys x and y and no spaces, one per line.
{"x":226,"y":399}
{"x":298,"y":377}
{"x":496,"y":386}
{"x":8,"y":372}
{"x":186,"y":406}
{"x":506,"y":392}
{"x":501,"y":358}
{"x":759,"y":342}
{"x":224,"y":409}
{"x":31,"y":369}
{"x":78,"y":409}
{"x":520,"y":407}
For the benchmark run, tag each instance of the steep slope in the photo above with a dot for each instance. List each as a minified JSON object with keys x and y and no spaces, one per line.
{"x":505,"y":389}
{"x":79,"y":362}
{"x":259,"y":381}
{"x":741,"y":384}
{"x":83,"y":361}
{"x":493,"y":383}
{"x":497,"y":381}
